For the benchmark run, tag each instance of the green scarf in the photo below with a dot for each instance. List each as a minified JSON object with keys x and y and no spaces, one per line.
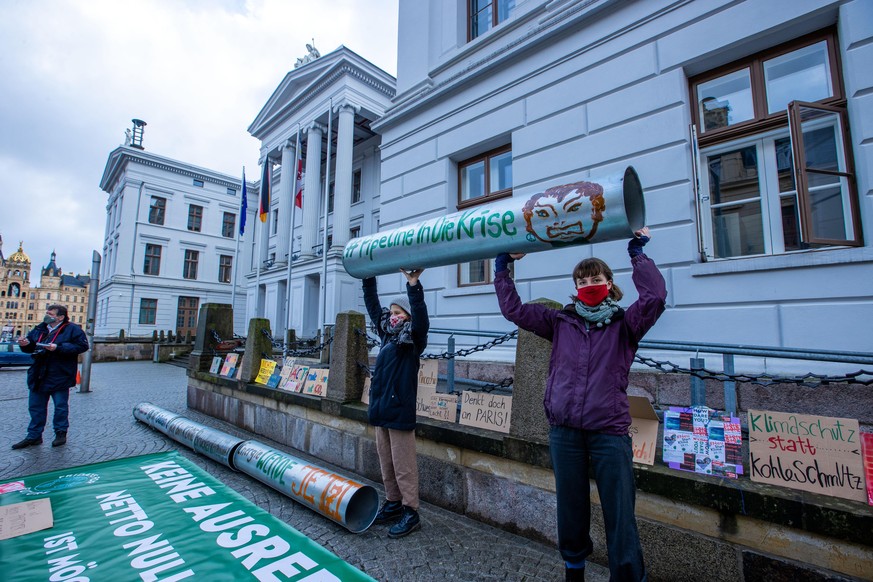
{"x":600,"y":314}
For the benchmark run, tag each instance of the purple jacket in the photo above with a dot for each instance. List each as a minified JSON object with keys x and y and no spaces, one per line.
{"x":588,"y":368}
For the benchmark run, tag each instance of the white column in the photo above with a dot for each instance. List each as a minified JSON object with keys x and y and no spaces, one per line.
{"x":286,"y":187}
{"x":343,"y":180}
{"x":312,"y":189}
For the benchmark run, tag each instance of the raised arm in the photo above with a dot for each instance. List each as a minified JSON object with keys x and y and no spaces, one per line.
{"x":651,"y":288}
{"x":535,"y":318}
{"x":371,"y":301}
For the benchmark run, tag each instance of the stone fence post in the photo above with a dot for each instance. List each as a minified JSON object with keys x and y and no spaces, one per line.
{"x":348,"y":353}
{"x":532,"y":355}
{"x":257,"y":344}
{"x":213,"y":317}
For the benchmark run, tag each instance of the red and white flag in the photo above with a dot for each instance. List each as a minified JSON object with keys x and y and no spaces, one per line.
{"x":298,"y":198}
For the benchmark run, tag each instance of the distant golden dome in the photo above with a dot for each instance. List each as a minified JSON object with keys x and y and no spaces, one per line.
{"x":19,"y":256}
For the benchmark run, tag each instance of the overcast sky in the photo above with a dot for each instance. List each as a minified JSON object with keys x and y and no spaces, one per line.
{"x":73,"y":73}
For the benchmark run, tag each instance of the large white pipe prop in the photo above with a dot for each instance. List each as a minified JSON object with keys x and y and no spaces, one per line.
{"x":207,"y":441}
{"x":571,"y":214}
{"x":351,"y":504}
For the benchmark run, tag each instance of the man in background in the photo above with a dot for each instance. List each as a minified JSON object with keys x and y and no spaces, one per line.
{"x":55,"y":345}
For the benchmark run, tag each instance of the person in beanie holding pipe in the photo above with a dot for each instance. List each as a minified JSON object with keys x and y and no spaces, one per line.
{"x":403,"y":330}
{"x":55,"y":345}
{"x":594,"y":342}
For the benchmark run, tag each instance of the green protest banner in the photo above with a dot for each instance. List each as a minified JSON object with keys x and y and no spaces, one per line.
{"x":156,"y":517}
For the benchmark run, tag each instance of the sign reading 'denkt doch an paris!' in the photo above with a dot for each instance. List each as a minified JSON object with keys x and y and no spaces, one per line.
{"x":570,"y":214}
{"x":819,"y":454}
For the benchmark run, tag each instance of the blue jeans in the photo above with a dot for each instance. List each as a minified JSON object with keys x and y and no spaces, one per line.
{"x":37,"y":404}
{"x":611,"y":458}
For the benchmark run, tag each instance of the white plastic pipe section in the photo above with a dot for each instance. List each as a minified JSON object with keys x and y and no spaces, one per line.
{"x":570,"y":214}
{"x":351,"y":504}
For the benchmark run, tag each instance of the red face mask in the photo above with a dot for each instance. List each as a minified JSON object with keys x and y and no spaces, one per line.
{"x":592,"y":294}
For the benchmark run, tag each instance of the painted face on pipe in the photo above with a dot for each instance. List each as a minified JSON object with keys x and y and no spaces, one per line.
{"x":564,"y":215}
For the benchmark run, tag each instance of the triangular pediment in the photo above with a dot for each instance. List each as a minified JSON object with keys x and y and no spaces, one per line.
{"x":304,"y":84}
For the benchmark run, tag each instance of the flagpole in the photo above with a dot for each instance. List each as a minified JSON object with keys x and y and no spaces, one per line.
{"x":235,"y":266}
{"x":323,"y":305}
{"x":291,"y":243}
{"x":260,"y":235}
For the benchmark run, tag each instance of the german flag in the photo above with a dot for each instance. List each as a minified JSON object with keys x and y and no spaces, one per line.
{"x":266,"y":177}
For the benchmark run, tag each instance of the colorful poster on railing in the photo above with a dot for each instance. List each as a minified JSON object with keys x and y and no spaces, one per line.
{"x":229,"y":367}
{"x":819,"y":454}
{"x":267,"y":368}
{"x":703,"y":440}
{"x":157,"y":517}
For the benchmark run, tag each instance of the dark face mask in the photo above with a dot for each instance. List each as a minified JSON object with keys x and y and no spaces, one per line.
{"x":48,"y":319}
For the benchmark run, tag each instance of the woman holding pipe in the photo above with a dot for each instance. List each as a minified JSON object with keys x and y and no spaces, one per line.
{"x":403,"y":330}
{"x":593,"y":346}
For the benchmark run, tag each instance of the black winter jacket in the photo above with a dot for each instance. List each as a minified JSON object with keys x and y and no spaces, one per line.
{"x":54,"y":371}
{"x":394,"y":383}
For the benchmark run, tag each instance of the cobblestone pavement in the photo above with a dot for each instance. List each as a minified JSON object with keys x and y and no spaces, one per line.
{"x":448,"y":547}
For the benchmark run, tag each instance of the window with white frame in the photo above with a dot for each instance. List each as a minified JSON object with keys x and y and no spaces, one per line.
{"x":356,"y":186}
{"x":189,"y":266}
{"x":148,"y":309}
{"x":228,"y":224}
{"x":775,"y":166}
{"x":225,"y":268}
{"x":482,"y":179}
{"x":152,"y":262}
{"x":157,"y":208}
{"x":483,"y":15}
{"x":195,"y":217}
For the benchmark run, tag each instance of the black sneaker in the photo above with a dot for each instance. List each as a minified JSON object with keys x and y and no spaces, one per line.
{"x":60,"y":438}
{"x":574,"y":574}
{"x":389,"y":511}
{"x":409,"y":522}
{"x":27,"y":443}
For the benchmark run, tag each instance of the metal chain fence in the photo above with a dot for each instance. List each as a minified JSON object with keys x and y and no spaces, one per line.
{"x":808,"y":380}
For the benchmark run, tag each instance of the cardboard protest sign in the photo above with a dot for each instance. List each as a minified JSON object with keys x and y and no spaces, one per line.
{"x":422,"y":400}
{"x":819,"y":454}
{"x":703,"y":440}
{"x":428,"y":373}
{"x":216,"y":365}
{"x":20,"y":519}
{"x":316,"y":382}
{"x":485,"y":410}
{"x":230,"y":364}
{"x":267,"y":367}
{"x":365,"y":395}
{"x":157,"y":517}
{"x":443,"y":407}
{"x":432,"y":404}
{"x":643,"y":429}
{"x":296,"y":378}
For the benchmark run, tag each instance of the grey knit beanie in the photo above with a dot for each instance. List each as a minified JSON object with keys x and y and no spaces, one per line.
{"x":402,"y":302}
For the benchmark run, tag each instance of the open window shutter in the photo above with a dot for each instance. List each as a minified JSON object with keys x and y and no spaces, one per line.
{"x":695,"y":186}
{"x":824,"y":175}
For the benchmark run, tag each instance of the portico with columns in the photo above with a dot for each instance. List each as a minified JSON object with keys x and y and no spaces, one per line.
{"x":318,"y":117}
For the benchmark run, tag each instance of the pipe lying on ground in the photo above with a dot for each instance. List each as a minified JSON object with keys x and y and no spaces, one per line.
{"x":352,"y":505}
{"x":611,"y":208}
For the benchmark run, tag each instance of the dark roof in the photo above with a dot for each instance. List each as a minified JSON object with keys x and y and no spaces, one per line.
{"x":77,"y":281}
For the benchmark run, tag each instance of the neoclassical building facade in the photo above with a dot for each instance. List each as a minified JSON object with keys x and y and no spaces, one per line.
{"x":23,"y":303}
{"x":318,"y":121}
{"x":170,"y":243}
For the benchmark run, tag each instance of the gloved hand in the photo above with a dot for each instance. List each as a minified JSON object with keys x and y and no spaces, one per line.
{"x":636,"y":244}
{"x":501,"y":263}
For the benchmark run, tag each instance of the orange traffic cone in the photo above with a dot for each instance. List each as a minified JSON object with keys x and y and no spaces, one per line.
{"x":78,"y":377}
